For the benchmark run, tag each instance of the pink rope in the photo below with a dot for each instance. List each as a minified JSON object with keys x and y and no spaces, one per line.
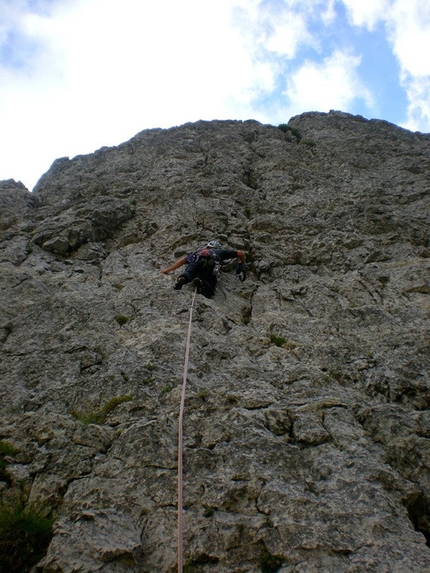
{"x":180,"y":445}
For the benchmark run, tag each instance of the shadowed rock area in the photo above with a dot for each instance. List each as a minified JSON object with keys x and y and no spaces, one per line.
{"x":307,"y":421}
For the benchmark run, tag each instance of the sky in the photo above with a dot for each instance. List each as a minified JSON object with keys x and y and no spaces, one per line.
{"x":77,"y":75}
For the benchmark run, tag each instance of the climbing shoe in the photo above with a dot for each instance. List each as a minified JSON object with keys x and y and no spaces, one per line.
{"x":180,"y":283}
{"x":198,"y":283}
{"x":241,"y":271}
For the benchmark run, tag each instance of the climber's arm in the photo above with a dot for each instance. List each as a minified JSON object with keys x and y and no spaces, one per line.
{"x":176,"y":265}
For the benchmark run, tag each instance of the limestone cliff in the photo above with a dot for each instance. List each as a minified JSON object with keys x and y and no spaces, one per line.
{"x":307,"y":421}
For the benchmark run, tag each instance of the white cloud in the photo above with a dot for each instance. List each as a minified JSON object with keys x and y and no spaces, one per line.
{"x":418,"y":112}
{"x":329,"y":14}
{"x":409,"y":21}
{"x":367,"y":13}
{"x":408,"y":31}
{"x":281,"y":28}
{"x":140,"y":54}
{"x":332,"y":84}
{"x":410,"y":36}
{"x":408,"y":24}
{"x":287,"y":32}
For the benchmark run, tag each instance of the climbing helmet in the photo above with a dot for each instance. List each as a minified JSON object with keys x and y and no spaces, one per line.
{"x":214,"y":244}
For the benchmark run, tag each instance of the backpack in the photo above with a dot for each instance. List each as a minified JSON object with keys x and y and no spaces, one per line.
{"x":207,"y":261}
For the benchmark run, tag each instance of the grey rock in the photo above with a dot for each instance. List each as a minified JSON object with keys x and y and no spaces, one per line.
{"x":306,"y":428}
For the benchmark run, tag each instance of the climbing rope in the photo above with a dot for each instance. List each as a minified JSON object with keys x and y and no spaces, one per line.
{"x":180,"y":442}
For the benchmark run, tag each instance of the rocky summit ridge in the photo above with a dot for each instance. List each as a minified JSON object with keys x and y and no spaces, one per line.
{"x":307,"y":421}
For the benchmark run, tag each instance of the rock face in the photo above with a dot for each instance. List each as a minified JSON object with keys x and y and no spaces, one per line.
{"x":307,"y":421}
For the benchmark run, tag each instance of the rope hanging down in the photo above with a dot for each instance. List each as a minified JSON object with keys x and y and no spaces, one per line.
{"x":180,"y":442}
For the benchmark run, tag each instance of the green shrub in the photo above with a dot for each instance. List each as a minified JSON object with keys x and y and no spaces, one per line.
{"x":246,"y":314}
{"x":270,"y":563}
{"x":99,"y":416}
{"x":193,"y":565}
{"x":309,"y":142}
{"x":3,"y":464}
{"x":203,"y":395}
{"x":167,"y":389}
{"x":278,"y":340}
{"x":293,"y":130}
{"x":189,"y":566}
{"x":121,"y":319}
{"x":6,"y":450}
{"x":114,"y":402}
{"x":24,"y":537}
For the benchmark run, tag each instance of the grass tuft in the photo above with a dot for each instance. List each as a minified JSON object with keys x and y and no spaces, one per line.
{"x":6,"y":450}
{"x":277,"y":340}
{"x":99,"y":416}
{"x":24,"y":537}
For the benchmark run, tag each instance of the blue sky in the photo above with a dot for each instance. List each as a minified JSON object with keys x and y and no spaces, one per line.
{"x":76,"y":75}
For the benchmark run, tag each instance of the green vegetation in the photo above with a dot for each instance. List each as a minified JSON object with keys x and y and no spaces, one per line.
{"x":269,"y":563}
{"x":24,"y":537}
{"x":246,"y":315}
{"x":309,"y":142}
{"x":293,"y":130}
{"x":121,"y":319}
{"x":167,"y":389}
{"x":150,"y":368}
{"x":193,"y":565}
{"x":6,"y":450}
{"x":99,"y":416}
{"x":100,"y":351}
{"x":203,"y":395}
{"x":278,"y":340}
{"x":189,"y":566}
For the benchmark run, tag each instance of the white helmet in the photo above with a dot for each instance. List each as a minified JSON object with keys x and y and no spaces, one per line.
{"x":214,"y":244}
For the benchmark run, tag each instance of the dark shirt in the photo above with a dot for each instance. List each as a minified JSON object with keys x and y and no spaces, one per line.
{"x":224,"y":254}
{"x":220,"y":254}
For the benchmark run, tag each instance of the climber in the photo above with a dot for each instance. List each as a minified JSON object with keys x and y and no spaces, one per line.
{"x":203,"y":267}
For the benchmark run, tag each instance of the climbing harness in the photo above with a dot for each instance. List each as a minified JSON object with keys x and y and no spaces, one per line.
{"x":180,"y":441}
